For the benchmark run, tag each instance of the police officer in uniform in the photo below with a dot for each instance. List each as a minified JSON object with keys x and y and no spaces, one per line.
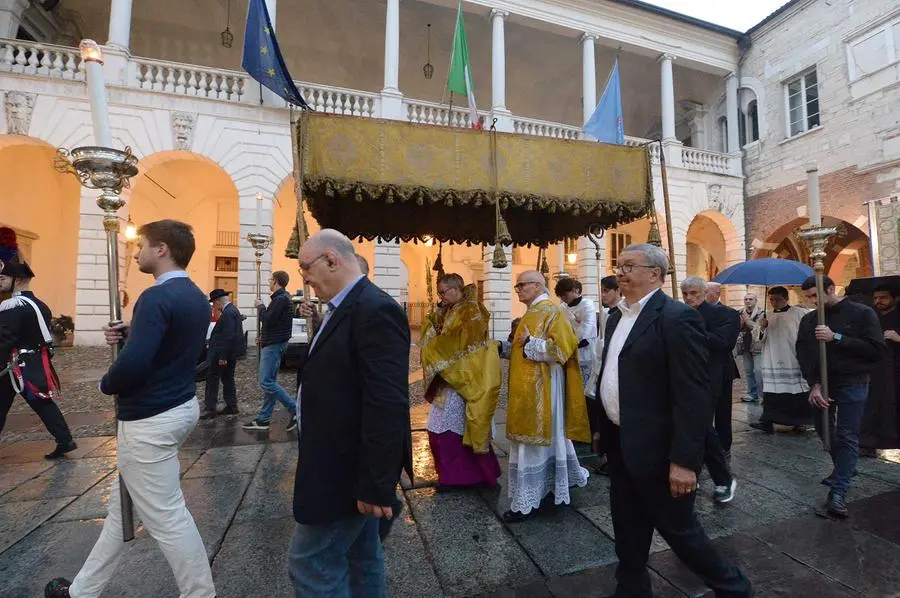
{"x":25,"y":353}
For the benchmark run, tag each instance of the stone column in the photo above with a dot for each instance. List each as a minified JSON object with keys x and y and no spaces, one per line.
{"x":731,"y":113}
{"x":11,"y":12}
{"x":120,"y":24}
{"x":498,"y":72}
{"x":391,"y":98}
{"x":498,"y":292}
{"x":668,"y":97}
{"x":388,"y":269}
{"x":588,"y":273}
{"x":588,"y":76}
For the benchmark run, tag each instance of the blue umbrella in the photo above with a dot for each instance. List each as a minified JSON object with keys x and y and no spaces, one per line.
{"x":765,"y":271}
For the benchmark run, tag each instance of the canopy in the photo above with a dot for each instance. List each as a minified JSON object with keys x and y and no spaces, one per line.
{"x":373,"y":178}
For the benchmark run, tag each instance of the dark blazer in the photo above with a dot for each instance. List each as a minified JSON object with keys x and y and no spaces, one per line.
{"x":227,"y":337}
{"x":664,"y":417}
{"x":723,"y":325}
{"x":354,"y":409}
{"x":276,"y":320}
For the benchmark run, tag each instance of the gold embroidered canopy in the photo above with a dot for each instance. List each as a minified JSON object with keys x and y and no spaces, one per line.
{"x":373,"y":178}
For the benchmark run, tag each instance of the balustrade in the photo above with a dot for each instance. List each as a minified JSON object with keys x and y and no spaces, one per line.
{"x":19,"y":56}
{"x":333,"y":100}
{"x":183,"y":79}
{"x":695,"y":159}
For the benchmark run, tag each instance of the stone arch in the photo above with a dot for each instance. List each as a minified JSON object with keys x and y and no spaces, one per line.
{"x":43,"y":206}
{"x":756,"y":87}
{"x":712,"y":243}
{"x":194,"y":189}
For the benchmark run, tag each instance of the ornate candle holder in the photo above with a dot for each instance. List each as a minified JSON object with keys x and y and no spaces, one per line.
{"x":109,"y":170}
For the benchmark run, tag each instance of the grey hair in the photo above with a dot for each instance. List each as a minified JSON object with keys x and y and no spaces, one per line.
{"x":337,"y":242}
{"x":694,"y":282}
{"x":453,"y":280}
{"x":363,"y":265}
{"x":656,"y":257}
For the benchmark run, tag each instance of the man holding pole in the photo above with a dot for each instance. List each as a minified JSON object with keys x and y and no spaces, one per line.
{"x":153,"y":377}
{"x":854,"y":346}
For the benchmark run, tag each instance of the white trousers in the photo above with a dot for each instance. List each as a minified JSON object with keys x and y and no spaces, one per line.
{"x":148,"y":461}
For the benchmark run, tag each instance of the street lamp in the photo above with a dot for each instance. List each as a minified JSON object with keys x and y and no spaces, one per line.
{"x":109,"y":170}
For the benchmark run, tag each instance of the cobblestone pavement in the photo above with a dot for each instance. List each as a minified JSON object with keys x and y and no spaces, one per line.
{"x":239,"y":485}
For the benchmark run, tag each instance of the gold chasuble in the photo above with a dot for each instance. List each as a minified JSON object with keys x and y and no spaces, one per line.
{"x":529,"y":412}
{"x":457,"y":349}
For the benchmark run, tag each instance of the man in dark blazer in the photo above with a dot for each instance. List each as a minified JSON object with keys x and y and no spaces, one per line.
{"x":653,"y":428}
{"x":730,"y":371}
{"x":224,"y":343}
{"x":722,"y":328}
{"x":353,"y":412}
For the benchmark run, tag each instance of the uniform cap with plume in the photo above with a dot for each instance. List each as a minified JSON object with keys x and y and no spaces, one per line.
{"x":8,"y":245}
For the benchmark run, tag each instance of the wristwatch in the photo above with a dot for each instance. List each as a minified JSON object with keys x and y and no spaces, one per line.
{"x":838,"y":337}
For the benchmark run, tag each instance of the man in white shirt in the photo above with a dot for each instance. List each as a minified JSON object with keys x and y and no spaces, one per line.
{"x":656,"y":409}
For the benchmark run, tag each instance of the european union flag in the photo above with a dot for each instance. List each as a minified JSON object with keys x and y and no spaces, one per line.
{"x":605,"y":124}
{"x":262,"y":56}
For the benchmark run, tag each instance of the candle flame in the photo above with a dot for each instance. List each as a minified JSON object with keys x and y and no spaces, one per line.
{"x":90,"y":51}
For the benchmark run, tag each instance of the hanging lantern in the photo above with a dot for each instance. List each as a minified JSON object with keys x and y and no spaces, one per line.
{"x":227,"y":35}
{"x":499,"y":260}
{"x":428,"y":70}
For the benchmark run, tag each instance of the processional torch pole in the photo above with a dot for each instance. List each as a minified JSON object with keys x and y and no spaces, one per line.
{"x":260,"y":242}
{"x":817,"y":237}
{"x":102,"y":167}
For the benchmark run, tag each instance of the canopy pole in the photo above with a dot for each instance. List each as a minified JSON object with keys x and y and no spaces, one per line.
{"x":669,"y":235}
{"x":299,"y":129}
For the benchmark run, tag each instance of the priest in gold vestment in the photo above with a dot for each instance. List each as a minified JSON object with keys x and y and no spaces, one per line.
{"x":546,"y":409}
{"x":462,"y":382}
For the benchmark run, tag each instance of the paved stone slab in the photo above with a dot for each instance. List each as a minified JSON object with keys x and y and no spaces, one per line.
{"x":823,"y":545}
{"x":601,"y":518}
{"x":878,"y":516}
{"x":52,"y":550}
{"x":888,"y":471}
{"x":771,"y":572}
{"x":423,"y":462}
{"x":418,"y":416}
{"x":533,"y":590}
{"x":34,"y":451}
{"x":93,"y":504}
{"x":69,"y":478}
{"x":230,"y":432}
{"x":252,"y":562}
{"x":271,"y":491}
{"x":581,"y":545}
{"x":601,"y":581}
{"x":804,"y":489}
{"x":226,"y":460}
{"x":408,"y":568}
{"x":472,"y":551}
{"x":18,"y":519}
{"x":15,"y":474}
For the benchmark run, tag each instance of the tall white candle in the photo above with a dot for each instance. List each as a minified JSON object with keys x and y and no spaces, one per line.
{"x":93,"y":66}
{"x":259,"y":199}
{"x":814,"y":207}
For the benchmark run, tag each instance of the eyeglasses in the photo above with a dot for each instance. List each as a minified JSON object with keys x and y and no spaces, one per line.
{"x":521,"y":285}
{"x":627,"y":268}
{"x":306,"y":267}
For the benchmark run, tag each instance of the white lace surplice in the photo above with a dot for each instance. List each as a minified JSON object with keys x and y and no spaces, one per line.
{"x":449,"y":417}
{"x":536,"y":471}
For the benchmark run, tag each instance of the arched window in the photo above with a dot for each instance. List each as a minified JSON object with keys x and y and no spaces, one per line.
{"x":723,"y":134}
{"x":752,"y":126}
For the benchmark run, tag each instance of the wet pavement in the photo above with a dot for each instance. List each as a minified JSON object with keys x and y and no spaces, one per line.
{"x":239,"y":486}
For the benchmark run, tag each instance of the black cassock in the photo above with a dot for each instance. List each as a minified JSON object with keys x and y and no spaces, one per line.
{"x":881,"y":418}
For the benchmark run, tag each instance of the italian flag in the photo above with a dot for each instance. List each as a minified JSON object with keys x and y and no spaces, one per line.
{"x":460,"y":78}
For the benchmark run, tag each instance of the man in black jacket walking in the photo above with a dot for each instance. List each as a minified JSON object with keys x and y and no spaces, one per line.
{"x":277,"y":322}
{"x":224,"y":342}
{"x":855,"y":344}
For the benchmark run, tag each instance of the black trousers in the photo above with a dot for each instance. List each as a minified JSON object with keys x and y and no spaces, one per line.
{"x":641,"y":504}
{"x":714,"y":459}
{"x":722,"y":417}
{"x":226,"y":374}
{"x":46,"y":409}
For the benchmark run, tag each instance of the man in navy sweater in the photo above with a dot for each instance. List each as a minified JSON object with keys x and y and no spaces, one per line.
{"x":157,"y":410}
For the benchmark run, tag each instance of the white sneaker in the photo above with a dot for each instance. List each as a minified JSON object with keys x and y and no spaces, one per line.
{"x":724,"y":494}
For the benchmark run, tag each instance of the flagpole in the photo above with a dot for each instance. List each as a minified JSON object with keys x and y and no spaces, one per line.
{"x":302,"y":233}
{"x":669,"y":234}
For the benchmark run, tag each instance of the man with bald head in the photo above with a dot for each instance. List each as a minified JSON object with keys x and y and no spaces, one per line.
{"x":354,"y":429}
{"x":545,"y":409}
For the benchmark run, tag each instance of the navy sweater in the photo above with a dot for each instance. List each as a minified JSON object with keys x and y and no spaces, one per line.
{"x":155,"y":370}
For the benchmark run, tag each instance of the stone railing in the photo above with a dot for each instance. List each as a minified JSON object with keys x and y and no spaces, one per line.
{"x":696,"y":159}
{"x":19,"y":56}
{"x":182,"y":79}
{"x":543,"y":128}
{"x":432,"y":113}
{"x":336,"y":100}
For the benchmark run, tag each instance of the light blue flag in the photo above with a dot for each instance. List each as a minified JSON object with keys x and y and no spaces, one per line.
{"x":605,"y":124}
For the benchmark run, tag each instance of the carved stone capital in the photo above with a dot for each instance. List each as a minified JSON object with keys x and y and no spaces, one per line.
{"x":499,"y":14}
{"x":666,"y":56}
{"x":587,"y":35}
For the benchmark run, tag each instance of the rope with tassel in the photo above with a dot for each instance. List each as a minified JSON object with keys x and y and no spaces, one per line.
{"x":502,"y":231}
